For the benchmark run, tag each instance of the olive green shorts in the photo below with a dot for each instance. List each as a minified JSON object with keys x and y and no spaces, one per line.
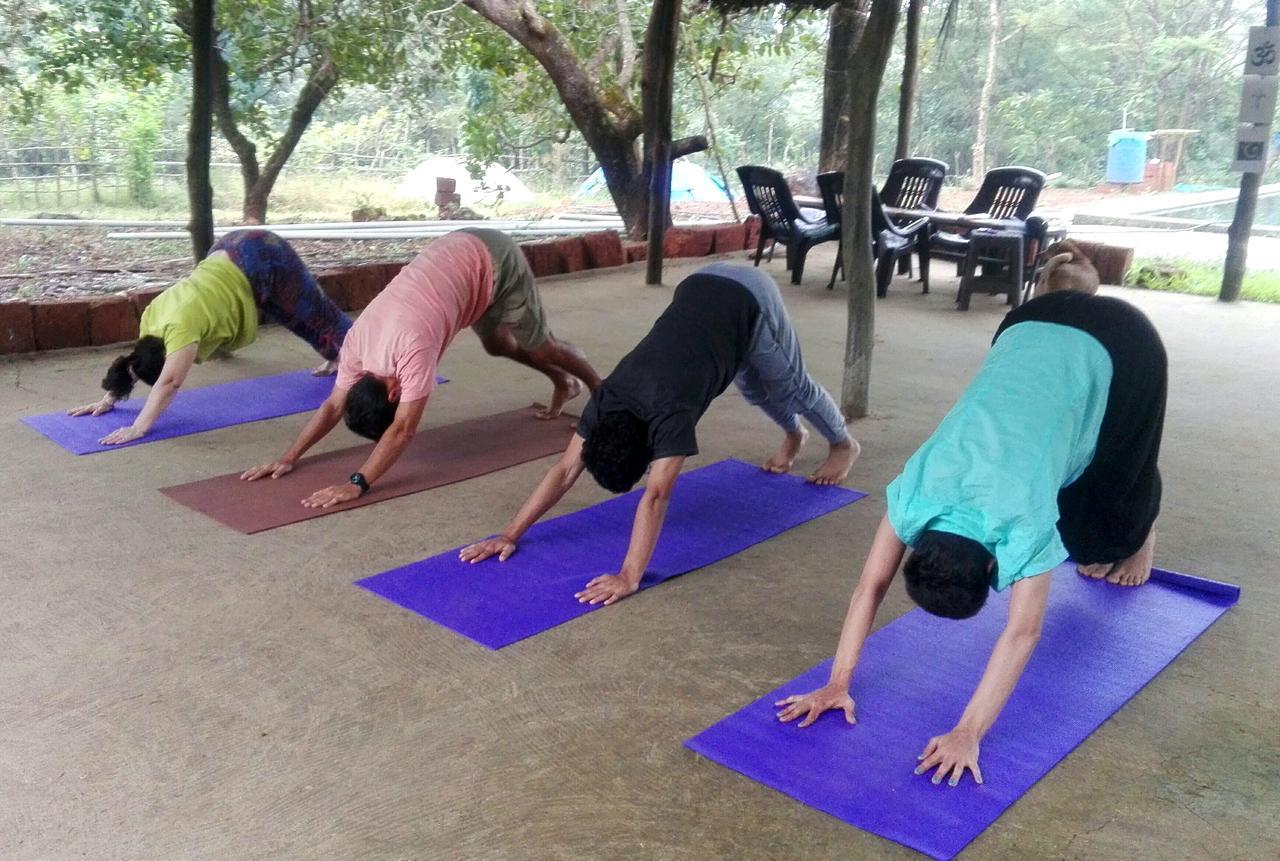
{"x":516,"y":303}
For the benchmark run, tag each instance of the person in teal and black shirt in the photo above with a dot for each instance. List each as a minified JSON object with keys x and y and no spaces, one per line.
{"x":1050,"y":452}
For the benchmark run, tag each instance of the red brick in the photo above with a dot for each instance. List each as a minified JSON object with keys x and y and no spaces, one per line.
{"x":390,"y":271}
{"x":729,"y":238}
{"x":142,"y":298}
{"x":544,"y":258}
{"x":61,"y":323}
{"x":573,"y":253}
{"x":687,"y":241}
{"x":17,"y":333}
{"x":635,"y":250}
{"x":112,"y":319}
{"x":604,"y":249}
{"x":363,"y":284}
{"x":753,"y":232}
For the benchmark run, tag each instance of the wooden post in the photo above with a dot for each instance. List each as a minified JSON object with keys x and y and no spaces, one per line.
{"x":199,"y":136}
{"x":1233,"y":268}
{"x":910,"y":77}
{"x":866,"y":70}
{"x":656,"y":91}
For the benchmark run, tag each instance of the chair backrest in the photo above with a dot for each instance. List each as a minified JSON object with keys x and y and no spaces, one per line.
{"x":879,"y":220}
{"x":831,"y":185}
{"x":914,"y":183}
{"x":769,"y":197}
{"x":1008,"y":192}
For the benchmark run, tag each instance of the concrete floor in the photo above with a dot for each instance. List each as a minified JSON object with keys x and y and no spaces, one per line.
{"x":172,"y":689}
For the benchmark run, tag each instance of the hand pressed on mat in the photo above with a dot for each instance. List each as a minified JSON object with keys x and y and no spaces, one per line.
{"x":814,"y":703}
{"x":607,"y":589}
{"x":498,"y":545}
{"x":951,"y":753}
{"x":330,"y":496}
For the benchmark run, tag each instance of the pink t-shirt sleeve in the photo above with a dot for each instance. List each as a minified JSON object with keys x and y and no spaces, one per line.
{"x":417,"y":375}
{"x":350,"y":368}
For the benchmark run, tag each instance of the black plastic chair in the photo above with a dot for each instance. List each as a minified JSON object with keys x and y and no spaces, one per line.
{"x":890,"y":242}
{"x":914,"y":183}
{"x":1007,"y":193}
{"x":780,"y":219}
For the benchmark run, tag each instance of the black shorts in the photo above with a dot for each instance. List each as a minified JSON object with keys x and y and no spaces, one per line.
{"x":1106,"y":514}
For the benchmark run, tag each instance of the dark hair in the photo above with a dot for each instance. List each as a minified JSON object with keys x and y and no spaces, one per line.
{"x":146,"y":361}
{"x":948,"y":575}
{"x":369,"y":413}
{"x":616,"y":451}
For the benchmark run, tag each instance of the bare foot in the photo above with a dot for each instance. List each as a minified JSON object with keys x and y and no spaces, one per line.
{"x":1097,"y":571}
{"x":1135,"y":570}
{"x":328,"y":369}
{"x":835,"y":469}
{"x":786,"y":456}
{"x":565,"y":391}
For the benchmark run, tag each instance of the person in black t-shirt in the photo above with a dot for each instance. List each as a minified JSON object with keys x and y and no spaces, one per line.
{"x":725,"y":324}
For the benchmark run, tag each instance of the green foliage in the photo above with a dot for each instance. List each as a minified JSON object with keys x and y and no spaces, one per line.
{"x":141,"y":138}
{"x":1200,"y":279}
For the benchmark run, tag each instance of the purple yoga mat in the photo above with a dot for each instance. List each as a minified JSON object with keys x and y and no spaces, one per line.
{"x":192,"y":411}
{"x":715,"y":511}
{"x":1101,"y":644}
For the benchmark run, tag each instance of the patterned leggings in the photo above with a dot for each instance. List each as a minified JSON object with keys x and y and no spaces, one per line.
{"x":285,"y":290}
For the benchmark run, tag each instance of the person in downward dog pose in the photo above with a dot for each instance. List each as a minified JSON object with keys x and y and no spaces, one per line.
{"x":1050,"y":452}
{"x":214,"y":312}
{"x":725,"y":324}
{"x":473,"y":278}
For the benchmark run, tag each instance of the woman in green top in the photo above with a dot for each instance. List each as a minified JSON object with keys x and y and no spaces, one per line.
{"x":214,"y":312}
{"x":1050,"y":451}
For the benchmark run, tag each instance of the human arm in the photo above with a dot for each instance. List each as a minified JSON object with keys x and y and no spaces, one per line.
{"x":554,"y":485}
{"x":323,"y":420}
{"x":650,"y":513}
{"x":877,"y":573}
{"x":172,"y":375}
{"x":390,"y":446}
{"x":957,"y":750}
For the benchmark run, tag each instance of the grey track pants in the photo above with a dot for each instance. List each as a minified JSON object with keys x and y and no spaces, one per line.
{"x":774,"y":377}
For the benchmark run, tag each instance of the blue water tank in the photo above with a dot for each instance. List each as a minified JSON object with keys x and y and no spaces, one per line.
{"x":1126,"y":156}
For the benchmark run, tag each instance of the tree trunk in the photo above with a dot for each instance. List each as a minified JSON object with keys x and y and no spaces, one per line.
{"x":656,"y":87}
{"x":200,"y":133}
{"x":609,"y":126}
{"x":978,"y":157}
{"x":847,"y":20}
{"x":866,"y":70}
{"x":910,"y":77}
{"x":1233,"y":268}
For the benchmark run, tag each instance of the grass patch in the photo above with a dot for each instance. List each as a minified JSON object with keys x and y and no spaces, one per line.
{"x":1200,"y":279}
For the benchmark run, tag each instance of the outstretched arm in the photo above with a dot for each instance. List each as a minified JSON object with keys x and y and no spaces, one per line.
{"x":554,"y":485}
{"x":317,"y":427}
{"x":388,"y":450}
{"x":957,"y":750}
{"x":650,"y":513}
{"x":881,"y":565}
{"x":174,"y":373}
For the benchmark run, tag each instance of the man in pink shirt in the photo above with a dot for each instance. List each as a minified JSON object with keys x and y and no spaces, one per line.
{"x":387,"y":366}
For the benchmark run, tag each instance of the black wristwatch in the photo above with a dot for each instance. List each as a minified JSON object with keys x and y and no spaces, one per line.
{"x":358,"y":479}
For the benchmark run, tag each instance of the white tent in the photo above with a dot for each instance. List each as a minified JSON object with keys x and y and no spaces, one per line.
{"x":497,"y":183}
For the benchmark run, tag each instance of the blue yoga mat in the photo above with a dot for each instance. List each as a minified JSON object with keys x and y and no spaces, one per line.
{"x":715,"y":511}
{"x":192,"y":411}
{"x":1100,"y":645}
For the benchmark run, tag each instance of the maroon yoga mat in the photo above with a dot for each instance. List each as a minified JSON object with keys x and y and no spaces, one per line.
{"x":437,"y":456}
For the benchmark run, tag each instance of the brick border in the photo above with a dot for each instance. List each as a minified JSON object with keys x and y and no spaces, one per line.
{"x":84,"y":321}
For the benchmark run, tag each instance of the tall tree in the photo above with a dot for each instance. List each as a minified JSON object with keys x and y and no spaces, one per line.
{"x":597,"y":94}
{"x":848,"y":19}
{"x":866,"y":71}
{"x":657,"y":86}
{"x":199,"y":137}
{"x":910,"y":78}
{"x":978,"y":158}
{"x":274,"y":64}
